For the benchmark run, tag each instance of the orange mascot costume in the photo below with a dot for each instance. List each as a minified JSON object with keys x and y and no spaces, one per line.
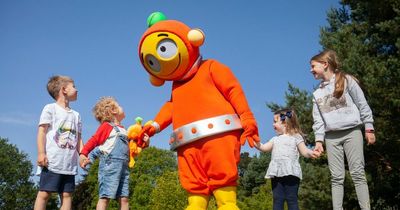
{"x":208,"y":110}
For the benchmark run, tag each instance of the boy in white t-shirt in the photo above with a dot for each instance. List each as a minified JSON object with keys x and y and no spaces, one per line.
{"x":59,"y":143}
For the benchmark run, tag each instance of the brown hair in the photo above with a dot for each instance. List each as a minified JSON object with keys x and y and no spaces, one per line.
{"x":290,"y":119}
{"x":104,"y":108}
{"x":330,"y":57}
{"x":55,"y":84}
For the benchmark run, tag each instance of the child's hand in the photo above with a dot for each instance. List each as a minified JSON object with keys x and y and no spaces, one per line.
{"x":146,"y":140}
{"x":147,"y":130}
{"x":370,"y":137}
{"x":83,"y":161}
{"x":314,"y":154}
{"x":319,"y":148}
{"x":42,"y":160}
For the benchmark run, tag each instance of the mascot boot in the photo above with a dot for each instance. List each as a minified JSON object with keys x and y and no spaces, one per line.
{"x":197,"y":202}
{"x":226,"y":198}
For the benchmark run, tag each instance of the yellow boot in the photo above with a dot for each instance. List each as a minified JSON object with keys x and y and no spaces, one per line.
{"x":197,"y":202}
{"x":226,"y":198}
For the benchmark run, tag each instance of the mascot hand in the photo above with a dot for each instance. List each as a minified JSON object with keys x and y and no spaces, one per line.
{"x":250,"y":132}
{"x":148,"y":130}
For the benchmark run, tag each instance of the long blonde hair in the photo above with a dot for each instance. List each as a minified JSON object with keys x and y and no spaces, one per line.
{"x":330,"y":57}
{"x":289,"y":118}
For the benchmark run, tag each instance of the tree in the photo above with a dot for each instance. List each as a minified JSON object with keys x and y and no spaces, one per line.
{"x":86,"y":192}
{"x":168,"y":193}
{"x":254,"y":175}
{"x":17,"y":191}
{"x":151,"y":164}
{"x":262,"y":200}
{"x":366,"y":36}
{"x":253,"y":190}
{"x":245,"y":159}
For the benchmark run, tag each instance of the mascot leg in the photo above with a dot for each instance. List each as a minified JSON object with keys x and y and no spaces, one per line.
{"x":226,"y":198}
{"x":197,"y":202}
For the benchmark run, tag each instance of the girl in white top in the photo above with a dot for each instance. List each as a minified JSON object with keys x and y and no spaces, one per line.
{"x":284,"y":169}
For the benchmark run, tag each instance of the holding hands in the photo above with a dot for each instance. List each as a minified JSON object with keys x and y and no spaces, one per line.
{"x":83,"y":161}
{"x":318,"y":149}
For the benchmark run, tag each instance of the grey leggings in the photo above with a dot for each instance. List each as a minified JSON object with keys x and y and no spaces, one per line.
{"x":349,"y":142}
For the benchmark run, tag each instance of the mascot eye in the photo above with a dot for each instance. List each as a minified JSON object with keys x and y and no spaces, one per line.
{"x":153,"y":63}
{"x":167,"y":48}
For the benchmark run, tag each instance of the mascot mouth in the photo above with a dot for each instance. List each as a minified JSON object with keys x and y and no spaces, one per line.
{"x":172,"y":72}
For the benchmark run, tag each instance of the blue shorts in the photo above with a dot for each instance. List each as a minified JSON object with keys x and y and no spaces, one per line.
{"x":52,"y":182}
{"x":113,"y":178}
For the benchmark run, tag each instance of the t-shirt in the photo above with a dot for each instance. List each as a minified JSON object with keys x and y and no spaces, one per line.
{"x":285,"y":156}
{"x":104,"y":138}
{"x":61,"y":138}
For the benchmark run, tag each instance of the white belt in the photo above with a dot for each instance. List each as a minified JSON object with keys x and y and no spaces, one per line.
{"x":204,"y":128}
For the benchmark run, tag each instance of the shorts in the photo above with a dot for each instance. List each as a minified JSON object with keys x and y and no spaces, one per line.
{"x":113,"y":178}
{"x":53,"y":182}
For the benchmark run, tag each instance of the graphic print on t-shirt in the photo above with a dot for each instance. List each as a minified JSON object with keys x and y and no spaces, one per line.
{"x":66,"y":135}
{"x":330,"y":103}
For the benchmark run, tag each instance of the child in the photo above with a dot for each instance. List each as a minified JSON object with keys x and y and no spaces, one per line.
{"x":113,"y":151}
{"x":284,"y":169}
{"x":59,"y":142}
{"x":339,"y":110}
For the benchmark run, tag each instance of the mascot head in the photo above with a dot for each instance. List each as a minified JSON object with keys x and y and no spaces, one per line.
{"x":169,"y":49}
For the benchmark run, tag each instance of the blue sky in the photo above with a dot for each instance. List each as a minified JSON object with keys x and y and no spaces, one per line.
{"x":266,"y":44}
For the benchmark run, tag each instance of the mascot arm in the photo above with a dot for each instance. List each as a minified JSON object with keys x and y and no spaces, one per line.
{"x":161,"y":121}
{"x":164,"y":117}
{"x":230,"y":87}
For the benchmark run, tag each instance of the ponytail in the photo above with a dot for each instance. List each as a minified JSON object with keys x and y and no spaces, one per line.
{"x":330,"y":57}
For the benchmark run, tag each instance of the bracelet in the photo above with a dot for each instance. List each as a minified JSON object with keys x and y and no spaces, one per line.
{"x":369,"y":131}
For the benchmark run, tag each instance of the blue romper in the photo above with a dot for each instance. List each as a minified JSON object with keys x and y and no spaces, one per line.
{"x":113,"y":169}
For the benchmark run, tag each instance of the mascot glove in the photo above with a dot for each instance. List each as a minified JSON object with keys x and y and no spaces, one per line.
{"x":150,"y":130}
{"x":250,"y":132}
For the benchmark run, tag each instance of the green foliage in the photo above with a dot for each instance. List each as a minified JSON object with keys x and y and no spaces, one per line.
{"x":262,"y":200}
{"x":17,"y":191}
{"x":86,"y":193}
{"x":168,"y":193}
{"x":245,"y":159}
{"x":315,"y":187}
{"x":150,"y":166}
{"x":253,"y":176}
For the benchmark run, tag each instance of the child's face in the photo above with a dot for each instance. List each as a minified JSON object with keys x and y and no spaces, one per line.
{"x":120,"y":115}
{"x":318,"y":69}
{"x":71,"y":93}
{"x":279,"y":127}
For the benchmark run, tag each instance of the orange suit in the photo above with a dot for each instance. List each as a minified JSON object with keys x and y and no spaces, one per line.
{"x":201,"y":90}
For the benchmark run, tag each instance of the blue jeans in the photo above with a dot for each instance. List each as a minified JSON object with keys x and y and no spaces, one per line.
{"x":113,"y":170}
{"x":285,"y":188}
